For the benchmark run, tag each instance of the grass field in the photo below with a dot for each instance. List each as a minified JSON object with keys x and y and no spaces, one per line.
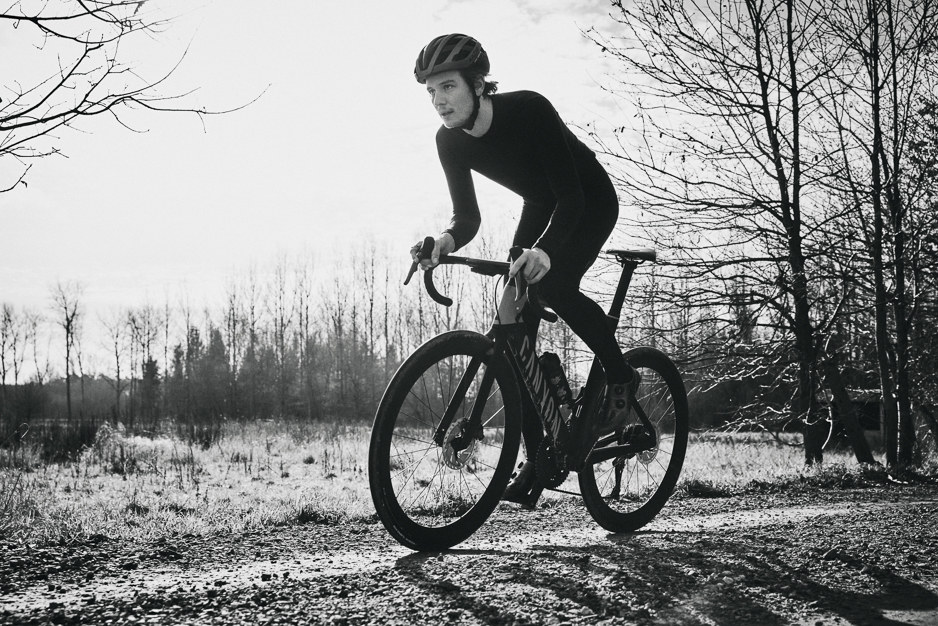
{"x":268,"y":473}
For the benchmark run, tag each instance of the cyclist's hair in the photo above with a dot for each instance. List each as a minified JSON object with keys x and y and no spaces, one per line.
{"x":471,"y":76}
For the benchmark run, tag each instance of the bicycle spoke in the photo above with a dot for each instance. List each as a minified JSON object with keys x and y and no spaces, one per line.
{"x":426,"y":405}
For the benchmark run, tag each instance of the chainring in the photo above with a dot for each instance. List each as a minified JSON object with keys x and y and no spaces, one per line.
{"x":549,"y":465}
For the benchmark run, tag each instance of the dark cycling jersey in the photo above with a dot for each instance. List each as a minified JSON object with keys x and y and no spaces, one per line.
{"x":530,"y":151}
{"x":570,"y":208}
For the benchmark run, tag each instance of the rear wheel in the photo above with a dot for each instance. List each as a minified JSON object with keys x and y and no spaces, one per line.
{"x":626,"y":492}
{"x":445,"y":439}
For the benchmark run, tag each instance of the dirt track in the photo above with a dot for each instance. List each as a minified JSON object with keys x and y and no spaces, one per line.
{"x":865,"y":556}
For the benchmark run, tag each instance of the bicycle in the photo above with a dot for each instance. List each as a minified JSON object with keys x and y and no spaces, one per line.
{"x":447,"y":430}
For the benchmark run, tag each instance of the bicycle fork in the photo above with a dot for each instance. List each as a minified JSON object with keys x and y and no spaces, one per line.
{"x":473,"y":429}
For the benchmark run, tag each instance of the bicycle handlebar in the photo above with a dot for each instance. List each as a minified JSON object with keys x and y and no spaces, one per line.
{"x":479,"y":266}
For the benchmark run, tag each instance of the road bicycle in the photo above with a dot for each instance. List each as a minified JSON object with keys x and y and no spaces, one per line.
{"x":447,"y":430}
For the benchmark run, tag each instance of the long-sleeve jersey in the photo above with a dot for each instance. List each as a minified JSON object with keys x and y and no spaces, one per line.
{"x":530,"y":151}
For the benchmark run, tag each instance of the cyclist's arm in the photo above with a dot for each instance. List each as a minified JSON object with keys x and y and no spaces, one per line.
{"x":466,"y":217}
{"x":549,"y":135}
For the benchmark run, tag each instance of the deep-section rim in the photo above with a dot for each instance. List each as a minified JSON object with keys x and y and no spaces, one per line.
{"x":618,"y":521}
{"x":398,"y":523}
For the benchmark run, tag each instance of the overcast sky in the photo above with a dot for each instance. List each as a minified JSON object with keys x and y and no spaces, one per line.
{"x":338,"y":149}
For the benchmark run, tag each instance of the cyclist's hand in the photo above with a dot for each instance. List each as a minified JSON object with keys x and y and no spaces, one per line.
{"x":442,"y":245}
{"x":533,"y":264}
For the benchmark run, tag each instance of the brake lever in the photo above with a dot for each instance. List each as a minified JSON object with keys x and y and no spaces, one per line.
{"x":522,"y":289}
{"x":521,"y":285}
{"x":426,"y":250}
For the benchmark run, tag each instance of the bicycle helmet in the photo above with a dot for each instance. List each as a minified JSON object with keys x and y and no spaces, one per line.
{"x":450,"y":52}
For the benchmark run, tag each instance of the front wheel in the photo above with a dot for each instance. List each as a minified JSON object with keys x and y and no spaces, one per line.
{"x":445,"y":440}
{"x":626,"y":492}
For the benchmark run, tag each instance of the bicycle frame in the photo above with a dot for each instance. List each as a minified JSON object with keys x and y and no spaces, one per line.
{"x":510,"y":334}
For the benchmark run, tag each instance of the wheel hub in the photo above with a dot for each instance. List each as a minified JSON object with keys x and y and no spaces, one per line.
{"x":458,"y":444}
{"x":636,"y":436}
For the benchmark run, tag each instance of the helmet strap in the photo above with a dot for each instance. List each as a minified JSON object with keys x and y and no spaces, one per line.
{"x":471,"y":120}
{"x":476,"y":104}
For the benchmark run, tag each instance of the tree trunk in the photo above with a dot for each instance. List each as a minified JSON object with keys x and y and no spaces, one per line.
{"x":890,"y":408}
{"x":905,"y":421}
{"x":68,"y":373}
{"x":846,"y":414}
{"x":814,"y":433}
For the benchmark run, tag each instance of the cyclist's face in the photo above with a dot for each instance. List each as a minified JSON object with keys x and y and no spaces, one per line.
{"x":451,"y":96}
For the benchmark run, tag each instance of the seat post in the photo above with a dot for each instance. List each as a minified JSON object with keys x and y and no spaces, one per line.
{"x":615,"y":309}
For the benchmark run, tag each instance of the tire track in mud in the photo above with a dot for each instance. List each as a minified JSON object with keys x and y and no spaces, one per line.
{"x":507,"y":531}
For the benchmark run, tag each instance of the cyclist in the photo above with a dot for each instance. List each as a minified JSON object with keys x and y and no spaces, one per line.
{"x":570,"y":207}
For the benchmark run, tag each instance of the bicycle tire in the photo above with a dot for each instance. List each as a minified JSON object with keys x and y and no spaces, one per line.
{"x":620,"y":505}
{"x":429,"y":496}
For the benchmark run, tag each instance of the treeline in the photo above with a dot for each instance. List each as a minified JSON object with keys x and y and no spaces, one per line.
{"x":297,"y":341}
{"x":307,"y":342}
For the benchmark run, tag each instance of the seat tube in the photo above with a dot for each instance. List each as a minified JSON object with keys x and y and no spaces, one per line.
{"x":615,"y":309}
{"x":612,"y":317}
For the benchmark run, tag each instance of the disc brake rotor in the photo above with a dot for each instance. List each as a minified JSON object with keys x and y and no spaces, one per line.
{"x":457,"y":436}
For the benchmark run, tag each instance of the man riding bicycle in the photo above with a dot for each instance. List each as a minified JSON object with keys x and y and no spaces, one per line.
{"x":570,"y":207}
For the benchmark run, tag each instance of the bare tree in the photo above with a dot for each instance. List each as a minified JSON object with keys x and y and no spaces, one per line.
{"x":306,"y":334}
{"x":336,"y":307}
{"x":886,"y":77}
{"x":79,"y":49}
{"x":251,"y":322}
{"x":233,"y":340}
{"x":40,"y":357}
{"x":282,"y":310}
{"x":10,"y":338}
{"x":723,"y":167}
{"x":66,"y":298}
{"x":115,"y":326}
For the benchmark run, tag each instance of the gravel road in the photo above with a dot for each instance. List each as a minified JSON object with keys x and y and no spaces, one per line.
{"x":857,"y":556}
